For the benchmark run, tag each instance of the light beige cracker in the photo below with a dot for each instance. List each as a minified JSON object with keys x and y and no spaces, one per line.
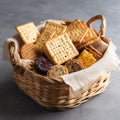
{"x":56,"y":71}
{"x":77,"y":30}
{"x":28,"y":32}
{"x":29,"y":51}
{"x":89,"y":38}
{"x":46,"y":35}
{"x":55,"y":27}
{"x":60,"y":49}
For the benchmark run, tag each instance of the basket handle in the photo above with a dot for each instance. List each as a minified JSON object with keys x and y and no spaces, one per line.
{"x":101,"y":33}
{"x":14,"y":56}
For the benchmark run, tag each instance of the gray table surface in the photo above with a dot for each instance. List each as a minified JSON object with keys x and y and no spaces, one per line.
{"x":14,"y":105}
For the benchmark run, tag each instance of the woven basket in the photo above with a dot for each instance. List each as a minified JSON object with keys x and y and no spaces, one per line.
{"x":53,"y":94}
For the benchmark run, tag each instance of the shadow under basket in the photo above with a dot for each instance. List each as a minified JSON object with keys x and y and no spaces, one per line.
{"x":53,"y":94}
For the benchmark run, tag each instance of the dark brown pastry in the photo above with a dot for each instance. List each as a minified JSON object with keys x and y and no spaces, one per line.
{"x":42,"y":65}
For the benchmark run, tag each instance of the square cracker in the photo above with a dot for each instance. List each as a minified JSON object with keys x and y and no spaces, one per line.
{"x":53,"y":26}
{"x":45,"y":35}
{"x":60,"y":49}
{"x":89,"y":38}
{"x":77,"y":30}
{"x":94,"y":51}
{"x":28,"y":32}
{"x":86,"y":59}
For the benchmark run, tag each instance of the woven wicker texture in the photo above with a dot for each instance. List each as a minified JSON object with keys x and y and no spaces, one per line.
{"x":53,"y":94}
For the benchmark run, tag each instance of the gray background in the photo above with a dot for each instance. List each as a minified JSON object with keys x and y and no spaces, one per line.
{"x":14,"y":105}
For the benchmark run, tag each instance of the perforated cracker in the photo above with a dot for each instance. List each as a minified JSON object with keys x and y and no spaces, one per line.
{"x":28,"y":32}
{"x":60,"y":49}
{"x":56,"y":71}
{"x":77,"y":30}
{"x":45,"y":35}
{"x":58,"y":28}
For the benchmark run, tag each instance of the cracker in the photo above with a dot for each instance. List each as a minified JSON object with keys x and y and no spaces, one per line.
{"x":101,"y":46}
{"x":77,"y":30}
{"x":89,"y":38}
{"x":60,"y":49}
{"x":86,"y":59}
{"x":53,"y":26}
{"x":29,"y":51}
{"x":46,"y":35}
{"x":28,"y":32}
{"x":73,"y":66}
{"x":56,"y":71}
{"x":94,"y":51}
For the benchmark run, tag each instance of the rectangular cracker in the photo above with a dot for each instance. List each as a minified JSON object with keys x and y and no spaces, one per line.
{"x":89,"y":38}
{"x":45,"y":35}
{"x":77,"y":30}
{"x":86,"y":59}
{"x":60,"y":49}
{"x":94,"y":51}
{"x":53,"y":26}
{"x":28,"y":32}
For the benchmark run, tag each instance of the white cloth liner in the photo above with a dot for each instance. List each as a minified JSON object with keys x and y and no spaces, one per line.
{"x":81,"y":79}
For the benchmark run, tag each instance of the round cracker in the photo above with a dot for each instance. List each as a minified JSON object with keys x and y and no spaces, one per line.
{"x":29,"y":51}
{"x":56,"y":71}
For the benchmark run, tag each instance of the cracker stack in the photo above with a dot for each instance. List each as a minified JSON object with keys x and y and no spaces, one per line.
{"x":69,"y":46}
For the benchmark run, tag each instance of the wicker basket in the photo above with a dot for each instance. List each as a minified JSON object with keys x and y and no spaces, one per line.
{"x":52,"y":94}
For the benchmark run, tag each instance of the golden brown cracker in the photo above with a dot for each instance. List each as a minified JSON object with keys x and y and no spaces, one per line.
{"x":94,"y":51}
{"x":86,"y":59}
{"x":28,"y":32}
{"x":77,"y":30}
{"x":29,"y":51}
{"x":46,"y":35}
{"x":53,"y":26}
{"x":89,"y":38}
